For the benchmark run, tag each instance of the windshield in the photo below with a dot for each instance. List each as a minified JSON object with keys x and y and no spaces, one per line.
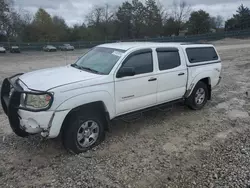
{"x":100,"y":60}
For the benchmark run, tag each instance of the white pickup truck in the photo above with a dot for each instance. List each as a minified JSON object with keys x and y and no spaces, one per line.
{"x":111,"y":80}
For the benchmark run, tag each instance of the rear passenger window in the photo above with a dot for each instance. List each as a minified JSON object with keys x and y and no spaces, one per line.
{"x":196,"y":55}
{"x":142,"y":63}
{"x":168,"y":60}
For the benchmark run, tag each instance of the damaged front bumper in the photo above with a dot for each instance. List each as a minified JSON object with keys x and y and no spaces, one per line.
{"x":24,"y":121}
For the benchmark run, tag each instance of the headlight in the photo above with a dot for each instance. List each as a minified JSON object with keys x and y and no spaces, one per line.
{"x":36,"y":101}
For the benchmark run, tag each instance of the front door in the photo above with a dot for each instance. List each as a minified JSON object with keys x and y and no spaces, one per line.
{"x":139,"y":91}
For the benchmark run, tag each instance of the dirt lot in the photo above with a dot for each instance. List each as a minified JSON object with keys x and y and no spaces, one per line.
{"x":178,"y":148}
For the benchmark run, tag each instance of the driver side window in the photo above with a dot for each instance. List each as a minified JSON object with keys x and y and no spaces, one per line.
{"x":141,"y":63}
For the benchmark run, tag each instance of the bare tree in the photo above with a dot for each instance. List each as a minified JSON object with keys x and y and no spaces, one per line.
{"x":181,"y":12}
{"x":216,"y":22}
{"x":100,"y":14}
{"x":94,"y":18}
{"x":219,"y":22}
{"x":12,"y":21}
{"x":163,"y":11}
{"x":4,"y":12}
{"x":25,"y":15}
{"x":109,"y":13}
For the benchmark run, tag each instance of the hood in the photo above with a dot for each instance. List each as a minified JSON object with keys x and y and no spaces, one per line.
{"x":46,"y":79}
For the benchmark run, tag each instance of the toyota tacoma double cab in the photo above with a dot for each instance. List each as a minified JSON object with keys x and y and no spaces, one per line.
{"x":78,"y":101}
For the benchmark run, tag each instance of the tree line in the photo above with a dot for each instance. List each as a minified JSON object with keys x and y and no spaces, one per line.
{"x":131,"y":20}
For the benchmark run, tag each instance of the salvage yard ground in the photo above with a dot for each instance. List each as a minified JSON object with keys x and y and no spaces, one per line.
{"x":177,"y":148}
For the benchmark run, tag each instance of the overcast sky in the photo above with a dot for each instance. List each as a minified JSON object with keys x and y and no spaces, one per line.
{"x":74,"y":11}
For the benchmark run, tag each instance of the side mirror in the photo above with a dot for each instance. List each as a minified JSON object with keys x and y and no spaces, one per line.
{"x":125,"y":71}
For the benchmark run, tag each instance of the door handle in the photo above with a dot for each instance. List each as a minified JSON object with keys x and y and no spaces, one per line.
{"x":152,"y":79}
{"x":181,"y":74}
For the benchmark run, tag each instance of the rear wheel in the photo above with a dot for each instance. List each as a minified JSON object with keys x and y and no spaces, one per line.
{"x":83,"y":131}
{"x":198,"y":99}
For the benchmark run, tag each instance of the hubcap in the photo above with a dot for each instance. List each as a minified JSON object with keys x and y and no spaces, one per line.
{"x":200,"y":96}
{"x":88,"y":133}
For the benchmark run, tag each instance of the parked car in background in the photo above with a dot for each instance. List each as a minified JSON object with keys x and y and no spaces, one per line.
{"x":66,"y":47}
{"x":110,"y":81}
{"x":49,"y":48}
{"x":2,"y":49}
{"x":14,"y":49}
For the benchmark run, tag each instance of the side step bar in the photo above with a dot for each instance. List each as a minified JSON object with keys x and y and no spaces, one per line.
{"x":148,"y":109}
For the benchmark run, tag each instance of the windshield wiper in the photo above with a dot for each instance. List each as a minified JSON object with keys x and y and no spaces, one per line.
{"x":75,"y":66}
{"x":85,"y":68}
{"x":91,"y":70}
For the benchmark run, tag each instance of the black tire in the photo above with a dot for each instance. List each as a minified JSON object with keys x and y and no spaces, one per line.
{"x":73,"y":125}
{"x":191,"y":100}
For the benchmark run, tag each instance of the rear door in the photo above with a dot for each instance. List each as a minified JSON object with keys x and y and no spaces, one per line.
{"x":139,"y":91}
{"x":172,"y":74}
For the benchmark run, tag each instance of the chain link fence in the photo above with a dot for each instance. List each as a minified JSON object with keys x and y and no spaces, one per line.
{"x":89,"y":44}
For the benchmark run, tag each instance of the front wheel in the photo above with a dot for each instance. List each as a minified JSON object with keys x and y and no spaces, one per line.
{"x":83,"y":131}
{"x":198,"y":99}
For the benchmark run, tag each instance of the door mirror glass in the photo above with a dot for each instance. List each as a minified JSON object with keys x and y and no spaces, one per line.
{"x":125,"y":71}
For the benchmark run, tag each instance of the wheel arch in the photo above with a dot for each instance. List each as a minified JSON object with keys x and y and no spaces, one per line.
{"x":98,"y":106}
{"x":205,"y":78}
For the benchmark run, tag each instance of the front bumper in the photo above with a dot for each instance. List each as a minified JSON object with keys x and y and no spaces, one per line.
{"x":47,"y":123}
{"x":25,"y":121}
{"x":35,"y":122}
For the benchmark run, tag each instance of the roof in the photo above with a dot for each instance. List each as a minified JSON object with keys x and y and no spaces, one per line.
{"x":128,"y":45}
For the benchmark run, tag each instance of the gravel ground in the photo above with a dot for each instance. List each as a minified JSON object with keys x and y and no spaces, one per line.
{"x":172,"y":148}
